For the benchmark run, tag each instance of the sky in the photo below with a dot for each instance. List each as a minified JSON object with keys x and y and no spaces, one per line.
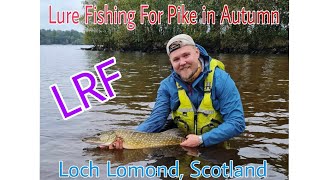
{"x":59,"y":6}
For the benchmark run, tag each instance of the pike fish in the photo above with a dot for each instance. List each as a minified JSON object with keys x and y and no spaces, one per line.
{"x":135,"y":140}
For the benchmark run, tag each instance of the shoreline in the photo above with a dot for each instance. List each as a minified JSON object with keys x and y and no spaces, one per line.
{"x":280,"y":50}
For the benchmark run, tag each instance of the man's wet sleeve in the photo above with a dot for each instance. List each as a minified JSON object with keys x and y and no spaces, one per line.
{"x":230,"y":107}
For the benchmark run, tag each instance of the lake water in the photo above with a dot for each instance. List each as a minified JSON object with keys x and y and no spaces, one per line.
{"x":263,"y":82}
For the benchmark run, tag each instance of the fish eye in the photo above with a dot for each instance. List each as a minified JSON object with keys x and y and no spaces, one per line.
{"x":98,"y":134}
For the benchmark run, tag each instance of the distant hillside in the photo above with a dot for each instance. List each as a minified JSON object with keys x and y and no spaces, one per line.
{"x":60,"y":37}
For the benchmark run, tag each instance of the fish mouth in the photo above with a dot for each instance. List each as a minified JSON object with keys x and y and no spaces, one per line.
{"x":94,"y":141}
{"x":91,"y":140}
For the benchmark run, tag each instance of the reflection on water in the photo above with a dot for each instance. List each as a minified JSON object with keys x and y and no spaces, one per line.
{"x":261,"y":79}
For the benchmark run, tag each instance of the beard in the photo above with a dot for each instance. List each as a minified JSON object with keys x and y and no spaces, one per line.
{"x":191,"y":76}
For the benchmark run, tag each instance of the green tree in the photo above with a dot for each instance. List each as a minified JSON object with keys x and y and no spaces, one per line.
{"x":223,"y":38}
{"x":60,"y":37}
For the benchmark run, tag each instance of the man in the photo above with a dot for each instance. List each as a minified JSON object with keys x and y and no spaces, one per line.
{"x":201,"y":97}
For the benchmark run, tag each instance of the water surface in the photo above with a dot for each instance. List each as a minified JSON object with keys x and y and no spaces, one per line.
{"x":261,"y":79}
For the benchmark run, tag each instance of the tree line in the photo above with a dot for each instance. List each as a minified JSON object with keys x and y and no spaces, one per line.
{"x":60,"y":37}
{"x":214,"y":37}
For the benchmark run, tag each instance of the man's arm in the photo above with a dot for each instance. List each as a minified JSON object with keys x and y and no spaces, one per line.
{"x":159,"y":113}
{"x":230,"y":108}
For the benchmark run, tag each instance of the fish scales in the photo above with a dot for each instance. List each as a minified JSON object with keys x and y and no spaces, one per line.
{"x":135,"y":140}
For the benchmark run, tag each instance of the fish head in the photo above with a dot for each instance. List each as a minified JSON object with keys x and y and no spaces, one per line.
{"x":102,"y":138}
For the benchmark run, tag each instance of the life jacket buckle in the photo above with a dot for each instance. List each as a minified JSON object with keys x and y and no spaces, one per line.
{"x":207,"y":87}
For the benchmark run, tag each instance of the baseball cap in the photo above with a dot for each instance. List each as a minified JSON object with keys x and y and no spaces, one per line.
{"x":179,"y":41}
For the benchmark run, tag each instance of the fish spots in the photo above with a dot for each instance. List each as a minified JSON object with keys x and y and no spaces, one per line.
{"x":140,"y":140}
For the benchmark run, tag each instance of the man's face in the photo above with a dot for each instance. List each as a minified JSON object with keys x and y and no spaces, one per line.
{"x":185,"y":61}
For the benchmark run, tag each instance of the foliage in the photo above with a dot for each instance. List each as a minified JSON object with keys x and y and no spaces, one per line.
{"x":60,"y":37}
{"x":222,"y":38}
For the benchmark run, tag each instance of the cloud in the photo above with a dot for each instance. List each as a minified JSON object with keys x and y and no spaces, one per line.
{"x":59,"y":6}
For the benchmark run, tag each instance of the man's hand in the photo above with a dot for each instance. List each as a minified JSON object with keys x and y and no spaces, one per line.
{"x":117,"y":144}
{"x":191,"y":141}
